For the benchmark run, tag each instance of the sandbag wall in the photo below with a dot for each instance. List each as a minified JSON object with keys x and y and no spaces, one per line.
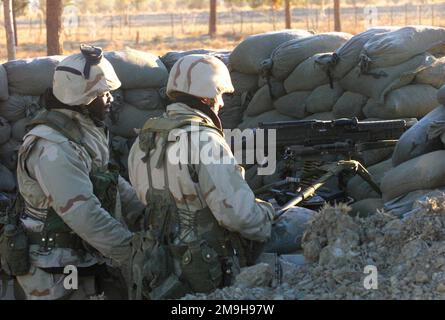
{"x":23,"y":82}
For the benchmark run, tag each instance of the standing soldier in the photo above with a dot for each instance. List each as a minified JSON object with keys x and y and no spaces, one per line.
{"x":204,"y":216}
{"x":72,"y":200}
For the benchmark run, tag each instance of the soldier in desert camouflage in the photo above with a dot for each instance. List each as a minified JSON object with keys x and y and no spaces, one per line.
{"x":204,"y":214}
{"x":72,"y":200}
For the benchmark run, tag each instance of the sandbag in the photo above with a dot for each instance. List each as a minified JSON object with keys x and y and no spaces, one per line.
{"x":323,"y":98}
{"x":372,"y":157}
{"x":4,"y":92}
{"x":366,"y":207}
{"x":19,"y":128}
{"x":308,"y":75}
{"x":377,"y":84}
{"x":293,"y":104}
{"x":290,"y":54}
{"x":392,"y":48}
{"x":7,"y":180}
{"x":250,"y":53}
{"x":348,"y":55}
{"x":137,"y":69}
{"x":8,"y":154}
{"x":412,"y":101}
{"x":424,"y":172}
{"x":18,"y":107}
{"x":359,"y":189}
{"x":276,"y":87}
{"x":349,"y":105}
{"x":125,"y":118}
{"x":234,"y":101}
{"x":416,"y":142}
{"x":145,"y":99}
{"x":5,"y":130}
{"x":31,"y":76}
{"x":260,"y":103}
{"x":244,"y":82}
{"x":270,"y":116}
{"x":433,"y":75}
{"x":321,"y":116}
{"x":231,"y":118}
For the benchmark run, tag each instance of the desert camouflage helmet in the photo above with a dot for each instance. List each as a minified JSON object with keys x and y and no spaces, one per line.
{"x":81,"y":78}
{"x":200,"y":75}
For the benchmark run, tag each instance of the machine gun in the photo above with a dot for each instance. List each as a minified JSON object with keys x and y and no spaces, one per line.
{"x":335,"y":146}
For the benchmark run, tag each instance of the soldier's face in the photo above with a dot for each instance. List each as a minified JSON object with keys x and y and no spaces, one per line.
{"x":101,"y":106}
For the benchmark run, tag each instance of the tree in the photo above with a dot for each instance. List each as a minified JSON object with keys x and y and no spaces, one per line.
{"x":212,"y":18}
{"x":9,"y":29}
{"x":287,"y":13}
{"x":337,"y":20}
{"x":54,"y":9}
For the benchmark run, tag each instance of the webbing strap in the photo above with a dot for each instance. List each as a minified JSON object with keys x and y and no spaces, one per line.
{"x":63,"y":124}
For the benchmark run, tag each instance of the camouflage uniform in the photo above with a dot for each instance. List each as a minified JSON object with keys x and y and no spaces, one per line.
{"x":203,"y":213}
{"x":54,"y":172}
{"x":221,"y":186}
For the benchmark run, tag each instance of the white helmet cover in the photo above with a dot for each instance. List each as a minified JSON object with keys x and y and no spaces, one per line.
{"x":72,"y":88}
{"x":199,"y":75}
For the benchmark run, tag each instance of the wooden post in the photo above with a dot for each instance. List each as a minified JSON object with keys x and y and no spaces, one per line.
{"x":288,"y":14}
{"x":54,"y":43}
{"x":9,"y":29}
{"x":337,"y":16}
{"x":406,"y":14}
{"x":241,"y":21}
{"x":172,"y":25}
{"x":14,"y":19}
{"x":432,"y":15}
{"x":212,"y":18}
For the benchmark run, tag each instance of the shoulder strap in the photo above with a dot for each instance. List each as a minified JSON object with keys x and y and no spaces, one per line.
{"x":163,"y":126}
{"x":63,"y":124}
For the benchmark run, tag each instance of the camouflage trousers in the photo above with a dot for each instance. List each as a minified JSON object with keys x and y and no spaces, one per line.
{"x":41,"y":285}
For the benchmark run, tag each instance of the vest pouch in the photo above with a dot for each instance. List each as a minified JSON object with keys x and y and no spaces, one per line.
{"x":201,"y":267}
{"x":15,"y":251}
{"x":105,"y":188}
{"x":171,"y":288}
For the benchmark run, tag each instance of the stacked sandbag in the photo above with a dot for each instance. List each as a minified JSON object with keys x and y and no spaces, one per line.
{"x":421,"y":138}
{"x":423,"y":172}
{"x":4,"y":92}
{"x":140,"y":97}
{"x":396,"y":69}
{"x":289,"y":55}
{"x":309,"y":88}
{"x":254,"y":94}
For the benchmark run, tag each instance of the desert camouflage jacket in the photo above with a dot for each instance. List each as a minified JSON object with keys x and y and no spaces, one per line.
{"x":54,"y":172}
{"x":221,"y":187}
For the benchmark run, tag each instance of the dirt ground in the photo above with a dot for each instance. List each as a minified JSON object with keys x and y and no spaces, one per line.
{"x":408,"y":256}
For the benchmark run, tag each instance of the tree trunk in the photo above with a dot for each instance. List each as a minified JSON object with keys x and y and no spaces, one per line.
{"x":212,"y":18}
{"x":288,"y":14}
{"x":9,"y":29}
{"x":337,"y":20}
{"x":54,"y":10}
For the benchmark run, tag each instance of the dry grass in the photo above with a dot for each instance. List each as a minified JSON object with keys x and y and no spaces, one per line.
{"x":160,"y":39}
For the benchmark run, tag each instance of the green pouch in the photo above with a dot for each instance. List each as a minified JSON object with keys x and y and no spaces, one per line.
{"x":15,"y":251}
{"x":201,"y":267}
{"x":105,"y":188}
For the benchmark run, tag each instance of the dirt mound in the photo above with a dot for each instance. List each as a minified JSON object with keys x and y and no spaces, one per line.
{"x":409,"y":256}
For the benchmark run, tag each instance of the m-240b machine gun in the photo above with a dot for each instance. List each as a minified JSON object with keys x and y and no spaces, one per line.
{"x":335,"y":146}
